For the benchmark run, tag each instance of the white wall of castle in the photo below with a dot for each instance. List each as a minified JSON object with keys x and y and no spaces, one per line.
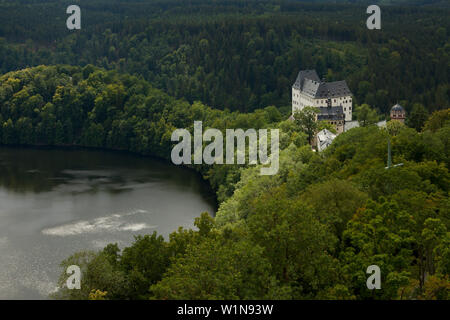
{"x":301,"y":100}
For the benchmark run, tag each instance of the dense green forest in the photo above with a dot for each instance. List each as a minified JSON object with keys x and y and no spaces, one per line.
{"x":138,"y":70}
{"x":241,"y":55}
{"x":308,"y":232}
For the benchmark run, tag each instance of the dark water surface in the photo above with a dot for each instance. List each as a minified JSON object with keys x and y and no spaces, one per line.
{"x":56,"y":202}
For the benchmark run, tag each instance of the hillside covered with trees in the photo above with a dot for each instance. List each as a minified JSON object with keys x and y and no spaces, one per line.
{"x":242,"y":55}
{"x":308,"y":232}
{"x":138,"y":70}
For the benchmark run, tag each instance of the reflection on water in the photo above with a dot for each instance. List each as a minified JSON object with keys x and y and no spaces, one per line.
{"x":55,"y":202}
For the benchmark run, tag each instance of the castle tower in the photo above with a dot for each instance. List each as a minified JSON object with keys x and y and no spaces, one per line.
{"x":398,"y":113}
{"x":309,"y":90}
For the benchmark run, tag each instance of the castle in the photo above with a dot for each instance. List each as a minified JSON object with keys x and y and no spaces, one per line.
{"x":334,"y":103}
{"x":334,"y":99}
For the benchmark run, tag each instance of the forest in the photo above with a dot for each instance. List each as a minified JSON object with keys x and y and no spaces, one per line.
{"x":138,"y":70}
{"x":241,"y":55}
{"x":308,"y":232}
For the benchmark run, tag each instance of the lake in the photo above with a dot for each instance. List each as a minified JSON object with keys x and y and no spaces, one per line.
{"x":54,"y":202}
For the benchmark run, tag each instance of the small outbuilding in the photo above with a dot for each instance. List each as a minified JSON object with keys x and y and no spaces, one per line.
{"x":398,"y":113}
{"x":323,"y":139}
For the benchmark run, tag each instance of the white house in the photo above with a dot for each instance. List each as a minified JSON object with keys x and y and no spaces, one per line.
{"x":324,"y":139}
{"x":309,"y":90}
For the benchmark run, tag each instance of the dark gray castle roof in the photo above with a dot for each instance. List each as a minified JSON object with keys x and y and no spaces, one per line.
{"x":309,"y":82}
{"x":331,"y":113}
{"x":397,"y":107}
{"x":305,"y":74}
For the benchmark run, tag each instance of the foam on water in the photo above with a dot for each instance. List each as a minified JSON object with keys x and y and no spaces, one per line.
{"x":111,"y":223}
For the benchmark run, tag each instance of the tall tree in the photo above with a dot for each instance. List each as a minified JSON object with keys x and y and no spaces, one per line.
{"x":306,"y":121}
{"x":366,"y":115}
{"x":418,"y":116}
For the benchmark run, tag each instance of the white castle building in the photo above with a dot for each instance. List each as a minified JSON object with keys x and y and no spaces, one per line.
{"x":309,"y":90}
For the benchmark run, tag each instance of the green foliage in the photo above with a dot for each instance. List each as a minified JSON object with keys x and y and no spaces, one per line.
{"x":366,"y":115}
{"x":438,"y":120}
{"x":418,"y":116}
{"x":98,"y":273}
{"x":217,"y":268}
{"x":297,"y":245}
{"x":305,"y":119}
{"x":400,"y":236}
{"x":334,"y":202}
{"x":179,"y":47}
{"x":92,"y":107}
{"x":326,"y":125}
{"x":311,"y":230}
{"x":144,"y":263}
